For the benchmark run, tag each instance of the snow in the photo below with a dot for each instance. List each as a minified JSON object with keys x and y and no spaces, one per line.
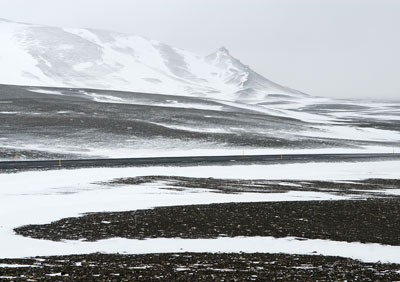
{"x":289,"y":245}
{"x":8,"y":113}
{"x":194,"y":129}
{"x":16,"y":65}
{"x":353,"y":133}
{"x":107,"y":60}
{"x":134,"y":148}
{"x":37,"y":55}
{"x":190,"y":106}
{"x":392,"y":191}
{"x":54,"y":274}
{"x":3,"y":265}
{"x":45,"y":91}
{"x":103,"y":98}
{"x":365,"y":252}
{"x":27,"y":198}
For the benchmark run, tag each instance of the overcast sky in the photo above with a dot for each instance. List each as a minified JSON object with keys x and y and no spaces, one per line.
{"x":337,"y":48}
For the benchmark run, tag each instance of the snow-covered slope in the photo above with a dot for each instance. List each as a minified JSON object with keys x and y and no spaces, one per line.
{"x":51,"y":56}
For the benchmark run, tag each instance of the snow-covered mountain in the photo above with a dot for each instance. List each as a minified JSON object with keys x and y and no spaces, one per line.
{"x":67,"y":57}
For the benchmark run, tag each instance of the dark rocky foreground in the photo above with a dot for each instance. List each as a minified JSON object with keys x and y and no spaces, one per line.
{"x":367,"y":221}
{"x":196,"y":267}
{"x":370,"y":217}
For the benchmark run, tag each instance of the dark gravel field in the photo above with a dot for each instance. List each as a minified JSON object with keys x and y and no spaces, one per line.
{"x":196,"y":267}
{"x":371,"y":218}
{"x":367,"y":221}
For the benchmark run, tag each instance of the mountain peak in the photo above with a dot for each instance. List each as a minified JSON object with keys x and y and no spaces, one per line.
{"x":223,"y":50}
{"x":85,"y":58}
{"x":224,"y":60}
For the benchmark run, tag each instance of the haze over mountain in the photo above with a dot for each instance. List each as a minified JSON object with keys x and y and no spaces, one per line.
{"x":38,"y":55}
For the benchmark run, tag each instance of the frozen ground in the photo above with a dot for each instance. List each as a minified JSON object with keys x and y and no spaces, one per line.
{"x":54,"y":123}
{"x":40,"y":197}
{"x":228,"y":217}
{"x":197,"y":267}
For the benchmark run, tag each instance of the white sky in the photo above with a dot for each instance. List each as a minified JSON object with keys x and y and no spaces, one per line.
{"x":339,"y":48}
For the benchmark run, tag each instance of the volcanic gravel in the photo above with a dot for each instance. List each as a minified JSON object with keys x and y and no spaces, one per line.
{"x":196,"y":267}
{"x":367,"y":221}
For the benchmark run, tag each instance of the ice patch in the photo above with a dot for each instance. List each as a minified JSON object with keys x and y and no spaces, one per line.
{"x":353,"y":133}
{"x":9,"y":113}
{"x":45,"y":91}
{"x":4,"y":265}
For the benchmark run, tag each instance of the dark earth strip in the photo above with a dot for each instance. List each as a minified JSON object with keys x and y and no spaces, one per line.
{"x":367,"y":221}
{"x":197,"y":267}
{"x":362,"y":188}
{"x":197,"y":160}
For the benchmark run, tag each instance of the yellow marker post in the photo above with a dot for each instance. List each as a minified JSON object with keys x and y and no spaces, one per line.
{"x":59,"y":163}
{"x":16,"y":157}
{"x":281,"y":157}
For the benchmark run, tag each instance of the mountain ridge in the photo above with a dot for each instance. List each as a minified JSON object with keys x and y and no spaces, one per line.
{"x":38,"y":55}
